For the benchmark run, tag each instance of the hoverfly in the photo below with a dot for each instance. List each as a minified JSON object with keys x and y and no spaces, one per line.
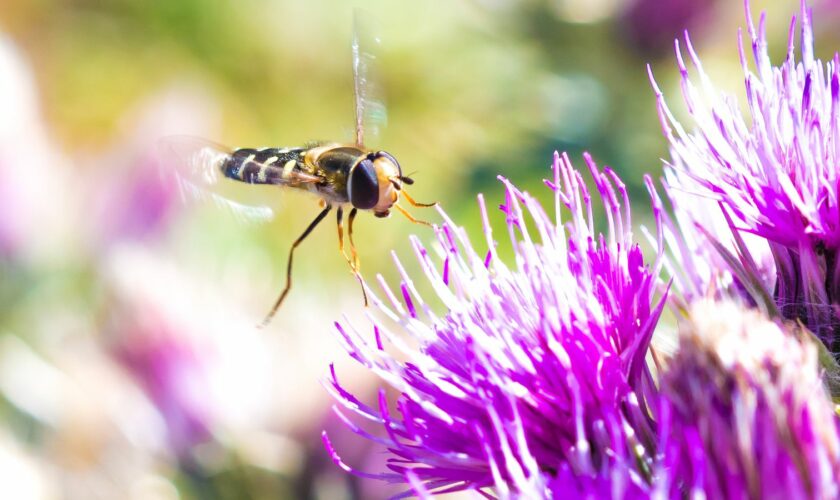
{"x":341,"y":174}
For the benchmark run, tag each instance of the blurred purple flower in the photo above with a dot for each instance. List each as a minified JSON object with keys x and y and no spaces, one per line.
{"x":775,"y":176}
{"x":172,"y":335}
{"x":136,"y":201}
{"x":535,"y":381}
{"x":652,"y":25}
{"x":826,"y":7}
{"x":744,"y":413}
{"x":174,"y":375}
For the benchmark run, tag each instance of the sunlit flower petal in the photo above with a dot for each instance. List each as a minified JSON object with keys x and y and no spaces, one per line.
{"x":773,"y":175}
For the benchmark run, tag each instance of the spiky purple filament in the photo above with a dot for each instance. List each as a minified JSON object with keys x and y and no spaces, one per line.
{"x":775,"y":175}
{"x":534,"y":371}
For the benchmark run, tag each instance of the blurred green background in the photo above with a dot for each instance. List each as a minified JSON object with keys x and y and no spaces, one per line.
{"x":130,"y":366}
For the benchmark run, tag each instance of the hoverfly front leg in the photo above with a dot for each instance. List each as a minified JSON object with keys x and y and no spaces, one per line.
{"x":411,"y":217}
{"x":415,"y":203}
{"x":297,"y":242}
{"x":354,"y":262}
{"x":397,"y":182}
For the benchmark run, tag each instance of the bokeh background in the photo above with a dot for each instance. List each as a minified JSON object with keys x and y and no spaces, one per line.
{"x":130,"y":365}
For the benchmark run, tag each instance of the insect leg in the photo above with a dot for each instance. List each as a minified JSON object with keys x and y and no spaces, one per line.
{"x":411,"y":217}
{"x":416,"y":204}
{"x":297,"y":242}
{"x":355,"y":264}
{"x":339,"y":212}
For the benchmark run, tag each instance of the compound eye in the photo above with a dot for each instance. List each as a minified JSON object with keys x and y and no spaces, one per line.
{"x":363,"y":185}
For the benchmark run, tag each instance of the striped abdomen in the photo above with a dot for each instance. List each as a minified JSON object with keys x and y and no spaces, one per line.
{"x":264,"y":166}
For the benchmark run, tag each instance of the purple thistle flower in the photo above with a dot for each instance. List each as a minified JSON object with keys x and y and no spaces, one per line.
{"x":535,"y":381}
{"x":744,"y":413}
{"x":734,"y":266}
{"x":775,"y":176}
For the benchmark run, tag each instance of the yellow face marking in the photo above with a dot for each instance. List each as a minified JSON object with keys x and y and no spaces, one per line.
{"x":287,"y":168}
{"x":388,"y":195}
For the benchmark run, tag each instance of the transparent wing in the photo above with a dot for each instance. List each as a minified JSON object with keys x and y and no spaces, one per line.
{"x":194,"y":166}
{"x":371,"y":113}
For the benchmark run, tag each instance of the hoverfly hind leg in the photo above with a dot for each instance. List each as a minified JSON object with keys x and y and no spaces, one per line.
{"x":288,"y":286}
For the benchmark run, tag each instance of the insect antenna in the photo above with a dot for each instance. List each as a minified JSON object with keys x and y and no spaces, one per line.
{"x":407,"y":178}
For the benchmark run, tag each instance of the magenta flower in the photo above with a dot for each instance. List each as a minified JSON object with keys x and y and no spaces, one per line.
{"x":135,"y":197}
{"x":744,"y":413}
{"x":651,"y":25}
{"x":172,"y":373}
{"x":775,"y":175}
{"x":705,"y":257}
{"x":135,"y":202}
{"x":535,"y":380}
{"x":202,"y":380}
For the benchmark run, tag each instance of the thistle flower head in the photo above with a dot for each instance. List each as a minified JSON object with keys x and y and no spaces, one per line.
{"x":743,"y":411}
{"x":535,"y":379}
{"x":774,"y":175}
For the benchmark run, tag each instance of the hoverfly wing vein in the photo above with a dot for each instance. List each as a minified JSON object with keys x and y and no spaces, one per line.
{"x":241,"y":212}
{"x":370,"y":109}
{"x":358,"y":81}
{"x":193,"y":158}
{"x":196,"y":167}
